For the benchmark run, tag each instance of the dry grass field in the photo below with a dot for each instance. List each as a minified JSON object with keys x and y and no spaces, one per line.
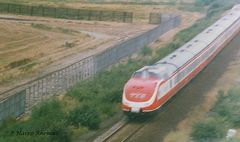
{"x":32,"y":46}
{"x":27,"y":46}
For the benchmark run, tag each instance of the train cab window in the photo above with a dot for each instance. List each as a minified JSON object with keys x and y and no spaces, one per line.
{"x":155,"y":74}
{"x":138,"y":74}
{"x":145,"y":74}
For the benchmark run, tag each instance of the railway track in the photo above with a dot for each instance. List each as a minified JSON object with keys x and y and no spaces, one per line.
{"x":114,"y":129}
{"x":133,"y":133}
{"x":124,"y":130}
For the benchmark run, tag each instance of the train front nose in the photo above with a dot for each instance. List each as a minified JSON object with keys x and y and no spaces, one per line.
{"x":137,"y":95}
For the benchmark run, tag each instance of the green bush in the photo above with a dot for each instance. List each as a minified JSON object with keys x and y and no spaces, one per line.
{"x":228,"y":107}
{"x":47,"y":117}
{"x":60,"y":133}
{"x":53,"y":108}
{"x":81,"y":93}
{"x":85,"y":115}
{"x":224,"y":115}
{"x":107,"y":110}
{"x":7,"y":122}
{"x":63,"y":134}
{"x":208,"y":131}
{"x":146,"y":51}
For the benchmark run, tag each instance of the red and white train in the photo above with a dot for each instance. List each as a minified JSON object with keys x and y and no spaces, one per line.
{"x":151,"y":86}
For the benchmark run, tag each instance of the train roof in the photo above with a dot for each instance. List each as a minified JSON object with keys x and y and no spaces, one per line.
{"x":236,"y":7}
{"x":179,"y":57}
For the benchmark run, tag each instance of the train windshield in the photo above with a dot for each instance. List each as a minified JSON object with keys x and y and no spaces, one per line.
{"x":145,"y":74}
{"x":160,"y":73}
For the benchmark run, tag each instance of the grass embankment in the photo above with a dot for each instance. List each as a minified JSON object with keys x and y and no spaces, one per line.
{"x":224,"y":115}
{"x":88,"y":104}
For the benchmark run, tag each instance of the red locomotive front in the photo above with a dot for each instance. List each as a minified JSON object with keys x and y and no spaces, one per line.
{"x":140,"y":91}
